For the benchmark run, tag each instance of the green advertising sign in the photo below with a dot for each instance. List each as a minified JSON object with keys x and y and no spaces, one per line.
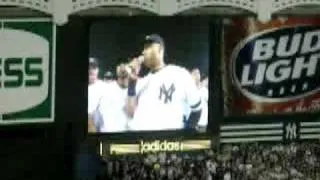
{"x":27,"y":70}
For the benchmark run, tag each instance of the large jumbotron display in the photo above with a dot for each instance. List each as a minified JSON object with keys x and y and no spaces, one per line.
{"x":148,"y":74}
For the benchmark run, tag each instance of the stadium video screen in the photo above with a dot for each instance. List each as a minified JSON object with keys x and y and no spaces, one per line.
{"x":148,"y":74}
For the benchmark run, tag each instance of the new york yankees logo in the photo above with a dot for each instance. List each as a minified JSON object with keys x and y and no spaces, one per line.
{"x":291,"y":131}
{"x":166,"y":93}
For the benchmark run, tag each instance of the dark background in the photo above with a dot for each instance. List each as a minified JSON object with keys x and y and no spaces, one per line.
{"x":114,"y":40}
{"x":61,"y":150}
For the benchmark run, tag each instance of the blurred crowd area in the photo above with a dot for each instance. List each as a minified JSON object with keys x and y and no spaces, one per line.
{"x":295,"y":161}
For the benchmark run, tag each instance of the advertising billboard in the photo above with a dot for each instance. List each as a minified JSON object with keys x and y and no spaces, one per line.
{"x":271,"y":68}
{"x":156,"y":146}
{"x":27,"y":70}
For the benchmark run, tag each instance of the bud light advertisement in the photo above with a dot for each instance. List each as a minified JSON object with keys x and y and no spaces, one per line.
{"x":271,"y":68}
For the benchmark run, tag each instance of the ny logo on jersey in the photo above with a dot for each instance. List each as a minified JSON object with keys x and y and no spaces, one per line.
{"x":166,"y":93}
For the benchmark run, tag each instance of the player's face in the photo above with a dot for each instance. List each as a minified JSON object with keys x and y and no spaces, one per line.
{"x":93,"y":75}
{"x":122,"y":76}
{"x":152,"y":55}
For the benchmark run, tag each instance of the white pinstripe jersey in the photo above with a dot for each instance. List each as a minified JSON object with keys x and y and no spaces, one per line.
{"x":162,"y":97}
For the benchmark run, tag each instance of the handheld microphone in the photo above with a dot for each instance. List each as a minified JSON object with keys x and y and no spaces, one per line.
{"x":134,"y":63}
{"x":138,"y":61}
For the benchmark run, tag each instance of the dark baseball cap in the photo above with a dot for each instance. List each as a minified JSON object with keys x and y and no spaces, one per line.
{"x":108,"y":75}
{"x":93,"y":63}
{"x":153,"y":39}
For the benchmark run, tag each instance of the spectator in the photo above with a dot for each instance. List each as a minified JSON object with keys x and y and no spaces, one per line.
{"x":232,"y":162}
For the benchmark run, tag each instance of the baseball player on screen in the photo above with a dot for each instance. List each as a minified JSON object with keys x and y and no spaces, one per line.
{"x":157,"y":101}
{"x":196,"y":74}
{"x":108,"y":77}
{"x":96,"y":90}
{"x":112,"y":105}
{"x":203,"y":90}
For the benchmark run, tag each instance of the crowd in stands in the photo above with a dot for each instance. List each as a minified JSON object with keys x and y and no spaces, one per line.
{"x":295,"y":161}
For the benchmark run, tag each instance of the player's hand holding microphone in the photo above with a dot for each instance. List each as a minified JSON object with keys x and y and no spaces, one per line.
{"x":133,"y":67}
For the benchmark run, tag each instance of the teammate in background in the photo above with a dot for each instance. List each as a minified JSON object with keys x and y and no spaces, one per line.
{"x":205,"y":82}
{"x":96,"y":89}
{"x":112,"y":106}
{"x":204,"y":96}
{"x":157,"y":101}
{"x":108,"y":77}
